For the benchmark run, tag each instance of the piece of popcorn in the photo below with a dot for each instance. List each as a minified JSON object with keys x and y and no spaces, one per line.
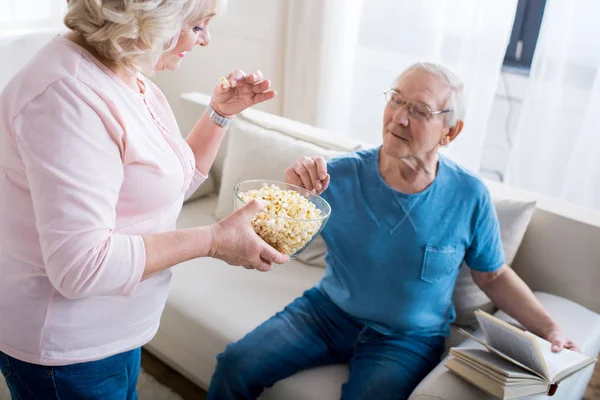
{"x":225,"y":83}
{"x":296,"y":225}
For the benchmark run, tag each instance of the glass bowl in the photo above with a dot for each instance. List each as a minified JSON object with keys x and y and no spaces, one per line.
{"x":293,"y":216}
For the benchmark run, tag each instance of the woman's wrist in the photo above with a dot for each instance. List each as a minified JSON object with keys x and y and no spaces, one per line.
{"x":218,"y":110}
{"x":205,"y":241}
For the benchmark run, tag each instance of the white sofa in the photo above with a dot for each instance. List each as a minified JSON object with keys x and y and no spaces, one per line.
{"x":212,"y":304}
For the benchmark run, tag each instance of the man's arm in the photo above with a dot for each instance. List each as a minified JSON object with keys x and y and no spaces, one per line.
{"x":508,"y":291}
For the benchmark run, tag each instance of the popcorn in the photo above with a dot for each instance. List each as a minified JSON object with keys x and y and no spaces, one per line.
{"x":224,"y":82}
{"x":299,"y":220}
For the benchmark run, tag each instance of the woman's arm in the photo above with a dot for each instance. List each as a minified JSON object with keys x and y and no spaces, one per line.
{"x":232,"y":240}
{"x":205,"y":140}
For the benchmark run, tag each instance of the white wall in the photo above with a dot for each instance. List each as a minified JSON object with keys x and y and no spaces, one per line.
{"x":249,"y":36}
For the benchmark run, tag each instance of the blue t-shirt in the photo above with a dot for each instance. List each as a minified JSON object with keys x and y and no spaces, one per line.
{"x":392,"y":257}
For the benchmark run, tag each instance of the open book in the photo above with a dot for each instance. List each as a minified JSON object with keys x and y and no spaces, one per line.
{"x":516,"y":363}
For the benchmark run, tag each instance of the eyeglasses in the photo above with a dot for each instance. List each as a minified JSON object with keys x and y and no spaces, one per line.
{"x":416,"y":109}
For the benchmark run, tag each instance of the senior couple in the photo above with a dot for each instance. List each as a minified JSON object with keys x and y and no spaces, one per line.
{"x":93,"y":174}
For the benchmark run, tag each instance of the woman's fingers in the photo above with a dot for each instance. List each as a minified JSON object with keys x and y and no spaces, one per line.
{"x":261,"y":87}
{"x":236,"y":76}
{"x":254,"y":77}
{"x":261,"y":97}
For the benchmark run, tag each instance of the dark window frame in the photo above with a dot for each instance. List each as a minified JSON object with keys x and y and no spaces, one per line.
{"x":524,"y":36}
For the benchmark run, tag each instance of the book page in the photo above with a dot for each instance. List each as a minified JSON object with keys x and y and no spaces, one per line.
{"x":512,"y":342}
{"x":491,"y":360}
{"x":504,"y":356}
{"x":563,"y":363}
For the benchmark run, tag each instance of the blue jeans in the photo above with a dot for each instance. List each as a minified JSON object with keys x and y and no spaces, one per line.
{"x":313,"y":331}
{"x":112,"y":378}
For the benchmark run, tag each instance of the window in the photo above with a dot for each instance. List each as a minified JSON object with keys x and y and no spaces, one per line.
{"x":524,"y":36}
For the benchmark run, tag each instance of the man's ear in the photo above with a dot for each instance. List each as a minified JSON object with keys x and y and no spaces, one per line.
{"x":452,"y":133}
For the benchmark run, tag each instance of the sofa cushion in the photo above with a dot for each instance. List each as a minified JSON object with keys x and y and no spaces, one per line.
{"x":580,"y":324}
{"x":514,"y":215}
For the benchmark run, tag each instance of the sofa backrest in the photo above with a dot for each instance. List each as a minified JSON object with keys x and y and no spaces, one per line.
{"x":560,"y":253}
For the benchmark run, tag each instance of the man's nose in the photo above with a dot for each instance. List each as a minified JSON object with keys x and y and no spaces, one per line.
{"x":401,"y":115}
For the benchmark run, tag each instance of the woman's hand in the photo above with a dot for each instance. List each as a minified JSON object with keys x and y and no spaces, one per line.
{"x":240,"y":92}
{"x":309,"y":173}
{"x":235,"y":242}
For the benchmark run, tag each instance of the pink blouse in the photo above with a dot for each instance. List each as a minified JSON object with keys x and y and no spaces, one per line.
{"x":87,"y":166}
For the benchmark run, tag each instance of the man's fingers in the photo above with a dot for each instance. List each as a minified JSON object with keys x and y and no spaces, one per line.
{"x":321,"y":167}
{"x":292,"y":177}
{"x":304,"y":176}
{"x":572,"y":346}
{"x":325,"y":183}
{"x":311,"y":167}
{"x":557,"y":345}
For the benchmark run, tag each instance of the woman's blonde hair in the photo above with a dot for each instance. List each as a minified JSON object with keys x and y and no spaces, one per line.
{"x":134,"y":33}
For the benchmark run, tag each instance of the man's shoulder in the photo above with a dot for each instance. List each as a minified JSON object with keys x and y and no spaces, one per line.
{"x":464,"y":179}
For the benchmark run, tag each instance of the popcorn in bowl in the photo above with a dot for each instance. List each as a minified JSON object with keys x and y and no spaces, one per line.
{"x":292,"y":217}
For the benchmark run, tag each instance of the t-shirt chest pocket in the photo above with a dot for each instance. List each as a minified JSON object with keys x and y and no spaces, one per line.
{"x":439,"y":262}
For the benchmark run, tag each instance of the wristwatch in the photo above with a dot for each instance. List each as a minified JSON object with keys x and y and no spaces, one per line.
{"x":218,"y":118}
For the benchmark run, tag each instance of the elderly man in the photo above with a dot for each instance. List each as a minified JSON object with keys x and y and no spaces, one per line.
{"x":404,"y":219}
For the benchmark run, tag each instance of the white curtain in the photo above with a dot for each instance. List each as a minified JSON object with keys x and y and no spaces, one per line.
{"x":344,"y":71}
{"x":558,"y":136}
{"x":25,"y":26}
{"x":320,"y":44}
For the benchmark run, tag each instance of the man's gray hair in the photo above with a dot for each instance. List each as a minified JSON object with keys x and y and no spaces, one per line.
{"x":456,"y":101}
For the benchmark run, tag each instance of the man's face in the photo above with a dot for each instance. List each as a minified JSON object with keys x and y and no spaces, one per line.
{"x":405,"y":135}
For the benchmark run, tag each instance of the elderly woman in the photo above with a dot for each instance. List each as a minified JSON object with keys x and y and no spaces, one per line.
{"x":93,"y":174}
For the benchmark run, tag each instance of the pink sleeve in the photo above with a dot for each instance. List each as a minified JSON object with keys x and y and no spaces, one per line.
{"x":197,"y":180}
{"x":71,"y":147}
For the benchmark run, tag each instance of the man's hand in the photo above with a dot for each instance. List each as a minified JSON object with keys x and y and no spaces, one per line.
{"x":560,"y":341}
{"x":309,"y":173}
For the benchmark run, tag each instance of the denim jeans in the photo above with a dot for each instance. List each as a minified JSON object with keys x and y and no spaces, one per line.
{"x":313,"y":331}
{"x":112,"y":378}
